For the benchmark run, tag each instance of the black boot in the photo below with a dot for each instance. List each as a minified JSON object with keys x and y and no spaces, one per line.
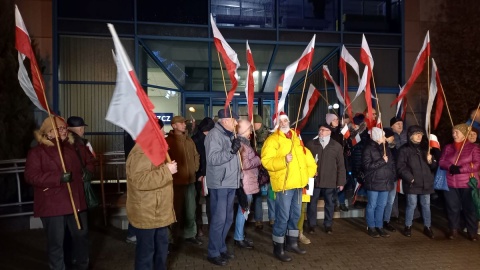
{"x":280,"y":253}
{"x":292,"y":245}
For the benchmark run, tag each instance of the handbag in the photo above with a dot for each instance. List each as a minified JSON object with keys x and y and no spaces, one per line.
{"x":90,"y":197}
{"x":263,"y":176}
{"x":242,"y":197}
{"x":440,"y":180}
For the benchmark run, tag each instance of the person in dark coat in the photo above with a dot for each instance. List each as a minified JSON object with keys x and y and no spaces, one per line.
{"x":330,"y":175}
{"x":379,"y":169}
{"x":358,"y":127}
{"x":199,"y":138}
{"x":415,"y":166}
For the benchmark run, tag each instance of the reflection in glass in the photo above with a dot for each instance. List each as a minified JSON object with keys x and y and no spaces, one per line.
{"x":246,"y":13}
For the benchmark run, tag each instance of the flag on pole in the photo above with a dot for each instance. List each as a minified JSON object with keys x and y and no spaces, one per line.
{"x":433,"y":141}
{"x":250,"y":83}
{"x":345,"y":132}
{"x":312,"y":98}
{"x":367,"y":59}
{"x":417,"y":68}
{"x":328,"y":77}
{"x":431,"y":96}
{"x":346,"y":57}
{"x":230,"y":59}
{"x":400,"y":186}
{"x":440,"y":96}
{"x":299,"y":65}
{"x":131,"y":109}
{"x":34,"y":89}
{"x":379,"y":120}
{"x":363,"y":82}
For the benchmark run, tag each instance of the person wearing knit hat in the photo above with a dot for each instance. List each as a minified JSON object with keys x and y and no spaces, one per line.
{"x":289,"y":165}
{"x":461,"y":159}
{"x":379,"y":169}
{"x":281,"y":116}
{"x":415,"y":165}
{"x":52,"y":186}
{"x":392,"y":194}
{"x":329,"y":117}
{"x":358,"y":119}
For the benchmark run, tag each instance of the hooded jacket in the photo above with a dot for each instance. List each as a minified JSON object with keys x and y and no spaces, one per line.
{"x":412,"y":164}
{"x":43,"y":170}
{"x":182,"y":149}
{"x":149,"y":192}
{"x":302,"y":166}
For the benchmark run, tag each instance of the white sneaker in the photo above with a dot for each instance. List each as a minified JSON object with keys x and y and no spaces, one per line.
{"x":131,"y":240}
{"x":303,"y":239}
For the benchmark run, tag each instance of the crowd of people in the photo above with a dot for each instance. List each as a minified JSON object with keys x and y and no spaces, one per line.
{"x":232,"y":157}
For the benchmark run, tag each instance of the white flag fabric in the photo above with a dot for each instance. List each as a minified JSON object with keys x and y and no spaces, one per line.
{"x":431,"y":95}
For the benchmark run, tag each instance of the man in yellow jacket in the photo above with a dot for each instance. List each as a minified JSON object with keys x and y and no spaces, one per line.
{"x":289,"y":165}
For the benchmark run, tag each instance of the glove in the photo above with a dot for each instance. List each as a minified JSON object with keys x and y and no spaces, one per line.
{"x":66,"y":177}
{"x":454,"y":169}
{"x":235,"y":146}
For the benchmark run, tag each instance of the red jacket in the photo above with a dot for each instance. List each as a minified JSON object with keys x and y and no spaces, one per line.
{"x":43,"y":171}
{"x":470,"y":156}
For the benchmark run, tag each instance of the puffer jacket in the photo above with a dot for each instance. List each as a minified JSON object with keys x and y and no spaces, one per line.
{"x":250,"y":163}
{"x":149,"y":192}
{"x":379,"y":175}
{"x":412,"y":164}
{"x":43,"y":170}
{"x":302,"y":166}
{"x":355,"y":158}
{"x":182,"y":149}
{"x":470,"y":156}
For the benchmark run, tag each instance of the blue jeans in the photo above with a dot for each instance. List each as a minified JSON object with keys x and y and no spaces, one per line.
{"x":389,"y":206}
{"x":288,"y":206}
{"x":412,"y":204}
{"x":152,"y":248}
{"x":221,"y":211}
{"x":240,"y":221}
{"x":375,"y":208}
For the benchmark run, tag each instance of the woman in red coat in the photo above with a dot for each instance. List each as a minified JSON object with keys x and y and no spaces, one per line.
{"x":44,"y":171}
{"x":460,"y":166}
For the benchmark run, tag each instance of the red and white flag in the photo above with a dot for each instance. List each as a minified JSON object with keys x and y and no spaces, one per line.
{"x":345,"y":132}
{"x":328,"y":77}
{"x":367,"y":59}
{"x":250,"y":83}
{"x":431,"y":96}
{"x":433,"y":141}
{"x":312,"y":98}
{"x":363,"y":82}
{"x":400,"y":186}
{"x":356,"y":139}
{"x":230,"y":59}
{"x":299,"y":65}
{"x":347,"y":58}
{"x":35,"y":91}
{"x":440,"y":96}
{"x":131,"y":109}
{"x":379,"y":121}
{"x":417,"y":68}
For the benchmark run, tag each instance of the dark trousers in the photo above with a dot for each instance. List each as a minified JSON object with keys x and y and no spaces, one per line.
{"x":56,"y":227}
{"x":327,"y":194}
{"x":457,"y":201}
{"x":152,"y":248}
{"x":221,"y":209}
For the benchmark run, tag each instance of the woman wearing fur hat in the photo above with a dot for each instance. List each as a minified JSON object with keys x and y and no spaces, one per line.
{"x":379,"y":168}
{"x":415,"y":166}
{"x":461,"y":164}
{"x":43,"y":170}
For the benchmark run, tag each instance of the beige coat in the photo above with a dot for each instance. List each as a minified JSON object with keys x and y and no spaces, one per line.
{"x":149,"y":192}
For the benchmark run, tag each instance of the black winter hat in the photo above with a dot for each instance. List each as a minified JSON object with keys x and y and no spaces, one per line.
{"x":388,"y":132}
{"x":414,"y":129}
{"x":395,"y":120}
{"x":76,"y":121}
{"x":358,"y":119}
{"x":206,"y":124}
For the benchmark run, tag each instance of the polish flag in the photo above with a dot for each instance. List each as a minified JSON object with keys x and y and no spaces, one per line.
{"x":328,"y":77}
{"x":379,"y":121}
{"x":299,"y":65}
{"x":431,"y":95}
{"x":346,"y":57}
{"x":356,"y":140}
{"x":367,"y":58}
{"x":433,"y":141}
{"x":345,"y":132}
{"x":230,"y":59}
{"x":312,"y":98}
{"x":440,"y":96}
{"x":417,"y":68}
{"x":35,"y":91}
{"x":250,"y":83}
{"x":400,"y":186}
{"x":131,"y":109}
{"x":363,"y":82}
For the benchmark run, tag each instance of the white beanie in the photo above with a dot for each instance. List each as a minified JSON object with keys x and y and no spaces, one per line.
{"x":330,"y":117}
{"x":377,"y":134}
